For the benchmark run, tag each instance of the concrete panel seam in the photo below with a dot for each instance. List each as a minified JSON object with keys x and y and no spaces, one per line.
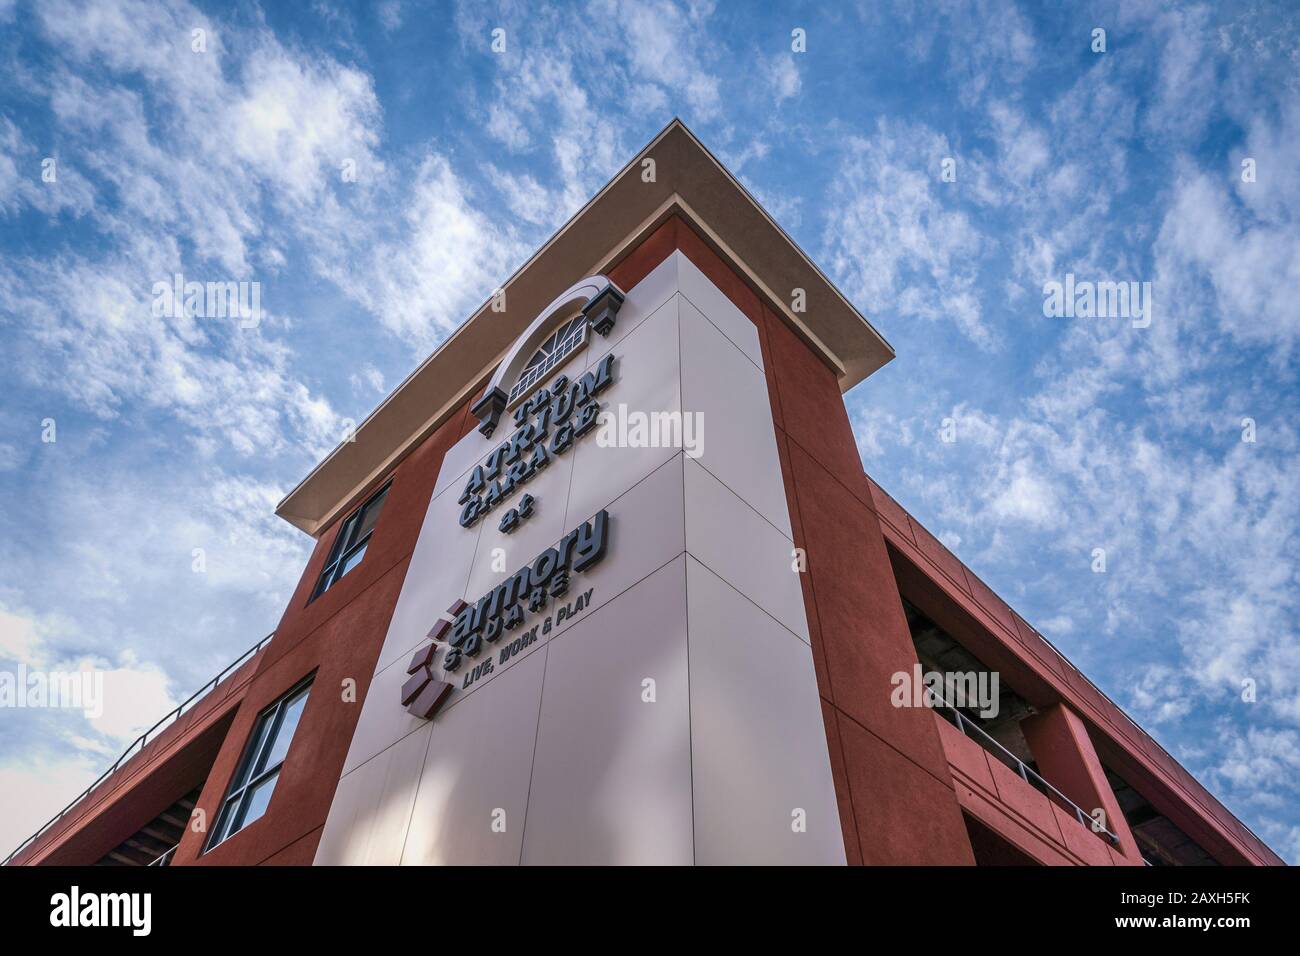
{"x":715,"y":325}
{"x":415,"y":797}
{"x":870,"y":506}
{"x":686,"y":591}
{"x":532,"y":763}
{"x":848,"y":780}
{"x":847,"y":716}
{"x":297,"y":839}
{"x":696,"y":558}
{"x":787,"y":537}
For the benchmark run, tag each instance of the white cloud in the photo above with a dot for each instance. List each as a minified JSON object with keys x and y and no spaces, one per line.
{"x":227,"y":154}
{"x":1159,"y":695}
{"x":390,"y":14}
{"x":1253,"y":266}
{"x":443,"y":258}
{"x":506,"y":126}
{"x":1025,"y":496}
{"x":136,"y":696}
{"x":988,"y":42}
{"x":18,"y":639}
{"x":368,"y":378}
{"x":895,"y":242}
{"x":130,"y":695}
{"x":31,"y":791}
{"x":92,"y":334}
{"x":1186,"y":88}
{"x":569,"y":79}
{"x":784,"y":77}
{"x":22,"y":182}
{"x":1261,"y":759}
{"x":1023,"y":149}
{"x":525,"y":196}
{"x":294,"y":124}
{"x":665,"y":43}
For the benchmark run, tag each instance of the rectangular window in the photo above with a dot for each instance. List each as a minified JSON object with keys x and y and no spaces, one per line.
{"x":259,"y":768}
{"x":350,"y":545}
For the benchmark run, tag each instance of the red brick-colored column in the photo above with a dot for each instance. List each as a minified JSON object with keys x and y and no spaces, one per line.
{"x":1066,"y":759}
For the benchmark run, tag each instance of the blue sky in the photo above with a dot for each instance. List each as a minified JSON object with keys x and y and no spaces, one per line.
{"x":1072,"y":434}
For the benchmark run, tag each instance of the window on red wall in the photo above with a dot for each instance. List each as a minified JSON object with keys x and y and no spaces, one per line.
{"x":259,"y":767}
{"x":351,"y":543}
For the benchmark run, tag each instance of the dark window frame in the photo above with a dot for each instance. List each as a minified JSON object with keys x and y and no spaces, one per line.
{"x":248,"y":779}
{"x":351,"y":542}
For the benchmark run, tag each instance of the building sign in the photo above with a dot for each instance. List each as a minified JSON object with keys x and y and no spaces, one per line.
{"x":530,"y":591}
{"x":423,"y":694}
{"x":545,"y":577}
{"x":562,"y":413}
{"x":526,"y":606}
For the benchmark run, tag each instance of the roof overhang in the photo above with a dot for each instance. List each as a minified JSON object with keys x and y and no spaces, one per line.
{"x":688,"y":182}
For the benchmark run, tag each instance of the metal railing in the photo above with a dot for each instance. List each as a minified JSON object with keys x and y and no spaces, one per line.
{"x":140,"y":742}
{"x":1124,"y":715}
{"x":166,"y":858}
{"x":1120,"y":711}
{"x":1025,"y":773}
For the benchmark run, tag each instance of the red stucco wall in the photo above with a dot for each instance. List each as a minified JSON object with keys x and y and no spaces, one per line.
{"x":338,"y":637}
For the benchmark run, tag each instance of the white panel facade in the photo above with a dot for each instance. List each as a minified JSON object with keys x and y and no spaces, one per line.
{"x":603,"y":471}
{"x":368,"y":819}
{"x":437,"y":576}
{"x":665,"y":709}
{"x":612,"y":775}
{"x":729,"y":392}
{"x":711,"y":302}
{"x":763,"y":789}
{"x":642,"y":302}
{"x":736,"y":543}
{"x":473,"y":791}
